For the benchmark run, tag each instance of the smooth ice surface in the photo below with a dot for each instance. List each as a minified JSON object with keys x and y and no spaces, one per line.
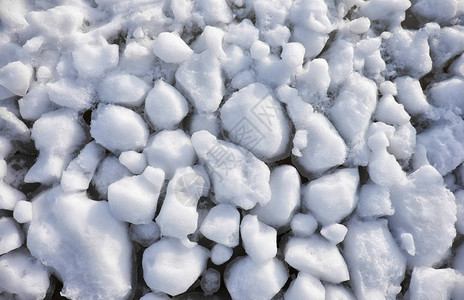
{"x":169,"y":47}
{"x":11,"y":235}
{"x":23,"y":211}
{"x":259,"y":240}
{"x":305,"y":286}
{"x":220,"y":254}
{"x":221,"y":225}
{"x":123,"y":89}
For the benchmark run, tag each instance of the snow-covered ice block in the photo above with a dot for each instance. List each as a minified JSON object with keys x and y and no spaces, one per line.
{"x":457,"y":67}
{"x":338,"y":292}
{"x":201,"y":79}
{"x":377,"y":266}
{"x":170,"y":267}
{"x":339,"y":56}
{"x":16,"y":77}
{"x":332,"y":197}
{"x":391,"y":112}
{"x":243,"y":34}
{"x":444,"y":143}
{"x":170,"y":48}
{"x":285,"y":197}
{"x":165,"y":107}
{"x":448,"y":93}
{"x":134,"y":199}
{"x":305,"y":286}
{"x":259,"y":50}
{"x":11,"y":235}
{"x":318,"y":257}
{"x":352,"y":112}
{"x":255,"y":120}
{"x":145,"y":234}
{"x":277,"y":36}
{"x":205,"y":121}
{"x":410,"y":94}
{"x":79,"y":239}
{"x":392,"y":12}
{"x":35,"y":103}
{"x":182,"y":10}
{"x":134,"y":161}
{"x":178,"y":216}
{"x":237,"y":176}
{"x":246,"y":279}
{"x":441,"y":12}
{"x":220,"y":254}
{"x":313,"y":81}
{"x":137,"y":59}
{"x":430,"y":283}
{"x":235,"y":61}
{"x":459,"y":195}
{"x":80,"y":170}
{"x":61,"y":125}
{"x":259,"y":239}
{"x":12,"y":127}
{"x":23,"y":275}
{"x":367,"y":57}
{"x":214,"y":11}
{"x":374,"y":201}
{"x":359,"y":26}
{"x":293,"y":54}
{"x":118,"y":129}
{"x":23,"y":211}
{"x":94,"y":60}
{"x":69,"y":93}
{"x":110,"y":170}
{"x":221,"y":225}
{"x":334,"y":233}
{"x":303,"y":225}
{"x":123,"y":89}
{"x":170,"y":150}
{"x":9,"y":196}
{"x":416,"y":202}
{"x":210,"y":39}
{"x":403,"y":141}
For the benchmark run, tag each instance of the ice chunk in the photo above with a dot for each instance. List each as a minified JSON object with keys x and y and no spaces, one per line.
{"x":305,"y":286}
{"x":210,"y":281}
{"x":118,"y":128}
{"x":134,"y":199}
{"x":214,"y":11}
{"x":210,"y":39}
{"x":222,"y":225}
{"x":182,"y":10}
{"x":459,"y":195}
{"x":155,"y":295}
{"x":448,"y":93}
{"x":338,"y":292}
{"x":429,"y":283}
{"x":235,"y":61}
{"x":170,"y":150}
{"x":35,"y":103}
{"x":23,"y":211}
{"x":403,"y":141}
{"x":80,"y":240}
{"x":137,"y":59}
{"x":165,"y":106}
{"x":293,"y":54}
{"x":410,"y":94}
{"x":334,"y":233}
{"x":237,"y":176}
{"x":457,"y":67}
{"x":171,"y":267}
{"x":245,"y":279}
{"x":277,"y":36}
{"x":80,"y":171}
{"x":61,"y":125}
{"x":145,"y":234}
{"x":303,"y":225}
{"x":11,"y":236}
{"x":243,"y":34}
{"x":133,"y":161}
{"x":391,"y":112}
{"x":374,"y":201}
{"x":220,"y":254}
{"x":178,"y":216}
{"x":69,"y":93}
{"x":9,"y":196}
{"x":123,"y":89}
{"x":376,"y":264}
{"x":12,"y":127}
{"x":201,"y":80}
{"x":318,"y":257}
{"x":441,"y":12}
{"x":259,"y":240}
{"x":109,"y":171}
{"x":415,"y":203}
{"x":94,"y":60}
{"x":392,"y":12}
{"x":16,"y":77}
{"x":313,"y":81}
{"x":255,"y":120}
{"x":170,"y":48}
{"x":23,"y":275}
{"x":285,"y":197}
{"x":259,"y":50}
{"x":203,"y":121}
{"x":332,"y":197}
{"x":339,"y":56}
{"x":359,"y":25}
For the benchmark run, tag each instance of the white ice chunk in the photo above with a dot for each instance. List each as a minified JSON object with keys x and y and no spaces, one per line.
{"x":293,"y":54}
{"x":210,"y":281}
{"x":12,"y":127}
{"x":170,"y":267}
{"x":332,"y":197}
{"x":407,"y":243}
{"x":429,"y":283}
{"x":23,"y":275}
{"x":69,"y":93}
{"x":145,"y":234}
{"x":441,"y":12}
{"x":448,"y":93}
{"x":259,"y":50}
{"x":304,"y":287}
{"x":222,"y":225}
{"x":277,"y":36}
{"x":338,"y":292}
{"x":204,"y":121}
{"x":11,"y":236}
{"x":94,"y":60}
{"x":134,"y":199}
{"x":201,"y":79}
{"x":134,"y":161}
{"x":457,"y":67}
{"x":61,"y":125}
{"x":182,"y":10}
{"x":165,"y":107}
{"x":81,"y":169}
{"x":237,"y":176}
{"x":23,"y":211}
{"x":416,"y":203}
{"x":303,"y":225}
{"x":123,"y":88}
{"x":243,"y":34}
{"x":285,"y":197}
{"x":110,"y":170}
{"x":155,"y":295}
{"x":334,"y":233}
{"x":259,"y":240}
{"x":16,"y":77}
{"x":359,"y":25}
{"x":374,"y":201}
{"x":245,"y":279}
{"x":236,"y":61}
{"x":137,"y":59}
{"x":220,"y":254}
{"x":170,"y":48}
{"x":79,"y":239}
{"x":403,"y":141}
{"x":170,"y":150}
{"x":313,"y":81}
{"x":318,"y":257}
{"x":390,"y":11}
{"x":214,"y":11}
{"x":35,"y":103}
{"x":410,"y":94}
{"x":376,"y":264}
{"x":340,"y":58}
{"x":118,"y":128}
{"x":460,"y":211}
{"x":210,"y":39}
{"x":391,"y":112}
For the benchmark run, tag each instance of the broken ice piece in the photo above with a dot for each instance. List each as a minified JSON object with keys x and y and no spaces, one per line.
{"x":303,"y":225}
{"x":259,"y":239}
{"x":220,"y":254}
{"x":305,"y":286}
{"x":16,"y":77}
{"x":221,"y":225}
{"x":11,"y":236}
{"x":133,"y":161}
{"x":145,"y":234}
{"x":334,"y":233}
{"x":170,"y":48}
{"x":123,"y":89}
{"x":23,"y":211}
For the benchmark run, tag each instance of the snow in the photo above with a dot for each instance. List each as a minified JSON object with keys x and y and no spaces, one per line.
{"x":429,"y":283}
{"x":10,"y":234}
{"x":67,"y":93}
{"x":170,"y":267}
{"x":222,"y":226}
{"x":122,"y":89}
{"x":170,"y":48}
{"x":410,"y":94}
{"x":374,"y":201}
{"x":259,"y":239}
{"x":93,"y":60}
{"x":243,"y":34}
{"x":16,"y":77}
